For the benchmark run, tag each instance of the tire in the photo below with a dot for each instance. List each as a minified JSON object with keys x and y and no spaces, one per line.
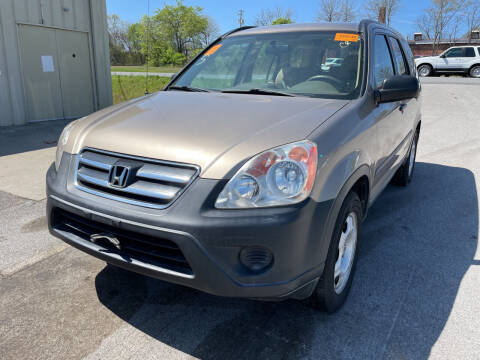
{"x":404,"y":174}
{"x":331,"y":291}
{"x":474,"y":71}
{"x":425,"y":70}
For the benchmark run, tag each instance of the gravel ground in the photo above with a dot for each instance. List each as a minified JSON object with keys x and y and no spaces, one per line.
{"x":415,"y":295}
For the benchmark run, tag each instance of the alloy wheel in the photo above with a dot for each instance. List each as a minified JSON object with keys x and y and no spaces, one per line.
{"x":424,"y":70}
{"x":411,"y":159}
{"x":475,"y":72}
{"x":346,"y":252}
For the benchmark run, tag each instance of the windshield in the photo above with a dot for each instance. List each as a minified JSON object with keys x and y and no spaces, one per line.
{"x":316,"y":64}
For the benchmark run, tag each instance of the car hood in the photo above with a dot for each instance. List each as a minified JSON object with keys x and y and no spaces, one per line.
{"x":212,"y":130}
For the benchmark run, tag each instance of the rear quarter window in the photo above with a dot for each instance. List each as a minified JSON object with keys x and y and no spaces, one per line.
{"x":402,"y":68}
{"x":409,"y":56}
{"x":469,"y":52}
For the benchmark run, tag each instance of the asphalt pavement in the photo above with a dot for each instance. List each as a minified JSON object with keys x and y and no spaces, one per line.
{"x":415,"y":295}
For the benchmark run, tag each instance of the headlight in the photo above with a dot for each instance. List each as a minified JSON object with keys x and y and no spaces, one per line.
{"x":62,"y":141}
{"x":281,"y":176}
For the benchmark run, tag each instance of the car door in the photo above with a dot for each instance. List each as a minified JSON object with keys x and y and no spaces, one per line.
{"x":450,"y":59}
{"x":389,"y":125}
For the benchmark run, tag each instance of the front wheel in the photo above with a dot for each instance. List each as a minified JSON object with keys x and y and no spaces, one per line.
{"x":425,"y":70}
{"x":334,"y":285}
{"x":475,"y":71}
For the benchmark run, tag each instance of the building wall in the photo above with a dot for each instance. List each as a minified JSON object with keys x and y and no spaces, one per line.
{"x":425,"y":48}
{"x":79,"y":15}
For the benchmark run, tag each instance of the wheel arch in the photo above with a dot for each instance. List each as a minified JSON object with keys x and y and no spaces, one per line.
{"x":358,"y":181}
{"x":472,"y":66}
{"x":362,"y":188}
{"x":425,"y":63}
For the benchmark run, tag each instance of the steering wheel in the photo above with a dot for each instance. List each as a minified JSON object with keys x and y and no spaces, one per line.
{"x":330,"y":79}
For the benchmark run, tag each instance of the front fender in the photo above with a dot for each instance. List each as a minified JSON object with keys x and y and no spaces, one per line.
{"x":339,"y":175}
{"x":337,"y":186}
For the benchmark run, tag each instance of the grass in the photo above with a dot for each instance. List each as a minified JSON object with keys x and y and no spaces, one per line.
{"x":129,"y":87}
{"x":159,"y":69}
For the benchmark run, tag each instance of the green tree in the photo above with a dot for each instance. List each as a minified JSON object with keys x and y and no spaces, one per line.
{"x":174,"y":34}
{"x":181,"y":26}
{"x":124,"y":42}
{"x":281,"y":21}
{"x":134,"y":37}
{"x":268,"y":16}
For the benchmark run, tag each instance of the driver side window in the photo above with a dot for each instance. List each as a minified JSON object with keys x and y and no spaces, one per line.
{"x":383,"y":66}
{"x":455,"y":52}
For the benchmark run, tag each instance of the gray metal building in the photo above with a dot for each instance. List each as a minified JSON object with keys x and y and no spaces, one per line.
{"x":54,"y":60}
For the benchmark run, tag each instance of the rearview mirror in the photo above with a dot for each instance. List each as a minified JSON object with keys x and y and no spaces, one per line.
{"x":399,"y":87}
{"x":275,"y":48}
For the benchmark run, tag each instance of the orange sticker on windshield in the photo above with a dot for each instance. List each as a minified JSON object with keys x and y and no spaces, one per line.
{"x":346,"y":37}
{"x":213,"y":49}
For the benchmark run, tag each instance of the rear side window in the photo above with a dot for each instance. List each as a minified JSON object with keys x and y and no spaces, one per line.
{"x":397,"y":53}
{"x":469,"y":52}
{"x":383,"y":67}
{"x":478,"y":49}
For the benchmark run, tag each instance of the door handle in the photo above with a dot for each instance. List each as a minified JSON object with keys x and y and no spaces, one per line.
{"x":402,"y":107}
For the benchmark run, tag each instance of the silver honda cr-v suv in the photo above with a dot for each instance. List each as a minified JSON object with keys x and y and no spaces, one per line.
{"x":251,"y":173}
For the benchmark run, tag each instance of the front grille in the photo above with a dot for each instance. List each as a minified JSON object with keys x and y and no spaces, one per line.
{"x":151,"y":183}
{"x":147,"y":249}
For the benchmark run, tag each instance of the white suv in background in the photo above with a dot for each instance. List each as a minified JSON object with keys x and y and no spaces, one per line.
{"x":458,"y":59}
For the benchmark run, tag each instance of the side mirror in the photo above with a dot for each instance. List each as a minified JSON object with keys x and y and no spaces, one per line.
{"x":277,"y":49}
{"x":398,"y":87}
{"x":442,"y":56}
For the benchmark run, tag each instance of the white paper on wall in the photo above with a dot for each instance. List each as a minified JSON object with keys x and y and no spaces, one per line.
{"x":47,"y":63}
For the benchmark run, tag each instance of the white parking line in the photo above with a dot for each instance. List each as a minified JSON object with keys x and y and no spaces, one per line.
{"x":33,"y":260}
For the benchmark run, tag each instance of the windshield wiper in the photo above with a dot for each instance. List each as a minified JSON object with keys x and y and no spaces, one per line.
{"x":257,"y":92}
{"x":186,"y":88}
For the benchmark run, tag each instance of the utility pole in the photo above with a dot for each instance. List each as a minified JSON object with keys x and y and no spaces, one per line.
{"x":241,"y":20}
{"x":382,"y":14}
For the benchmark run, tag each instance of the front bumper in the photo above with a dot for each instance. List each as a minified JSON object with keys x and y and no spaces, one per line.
{"x":210,"y":240}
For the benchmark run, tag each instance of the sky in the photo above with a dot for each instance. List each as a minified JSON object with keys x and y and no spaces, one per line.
{"x":224,"y":12}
